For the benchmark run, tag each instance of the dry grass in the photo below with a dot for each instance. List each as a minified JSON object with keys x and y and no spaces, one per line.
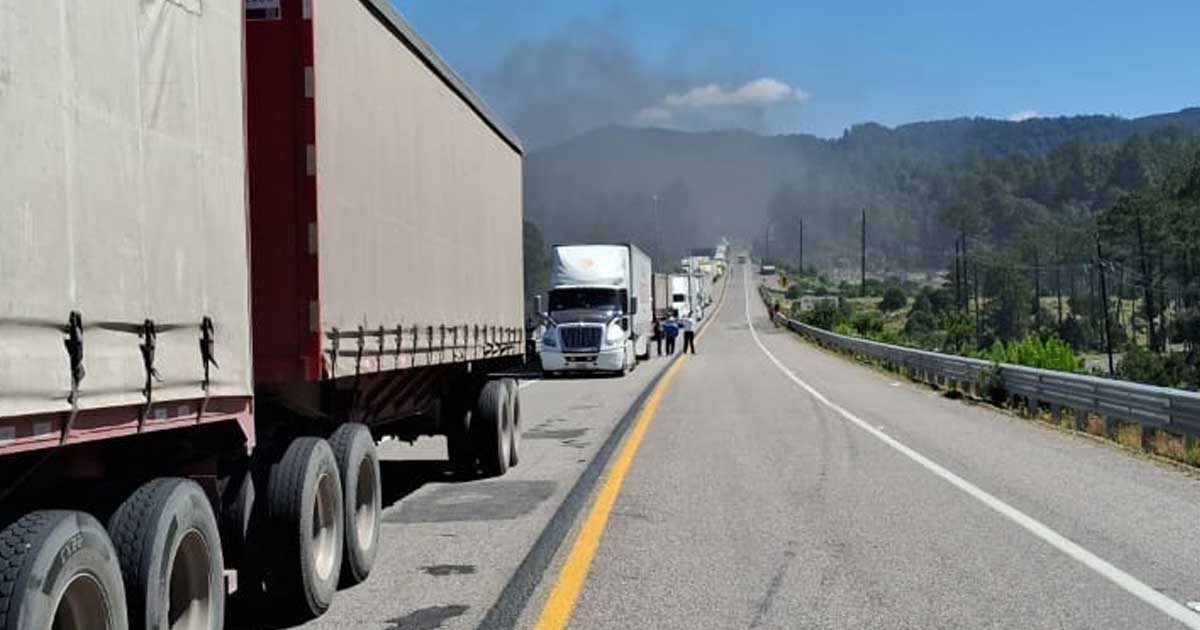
{"x":1095,"y":426}
{"x":1129,"y":435}
{"x":1170,"y":445}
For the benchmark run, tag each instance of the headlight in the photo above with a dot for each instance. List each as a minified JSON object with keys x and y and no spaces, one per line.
{"x":616,"y":334}
{"x":550,"y":338}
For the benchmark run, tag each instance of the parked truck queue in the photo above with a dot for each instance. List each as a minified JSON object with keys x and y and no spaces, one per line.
{"x":233,"y":256}
{"x":605,"y":301}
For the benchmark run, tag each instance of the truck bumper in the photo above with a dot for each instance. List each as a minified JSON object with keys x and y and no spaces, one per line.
{"x":608,"y":360}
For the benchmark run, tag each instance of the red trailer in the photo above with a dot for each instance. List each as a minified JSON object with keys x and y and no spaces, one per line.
{"x":238,"y":253}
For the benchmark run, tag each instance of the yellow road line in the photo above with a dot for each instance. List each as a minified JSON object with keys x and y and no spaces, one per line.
{"x":557,"y":610}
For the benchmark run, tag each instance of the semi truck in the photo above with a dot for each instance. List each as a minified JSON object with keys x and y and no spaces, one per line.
{"x":236,"y":252}
{"x":681,"y":294}
{"x":600,"y":309}
{"x":662,"y":295}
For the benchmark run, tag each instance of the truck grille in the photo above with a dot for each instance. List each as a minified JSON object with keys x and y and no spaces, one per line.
{"x":580,"y":338}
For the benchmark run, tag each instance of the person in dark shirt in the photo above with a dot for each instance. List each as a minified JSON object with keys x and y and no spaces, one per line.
{"x":671,"y":331}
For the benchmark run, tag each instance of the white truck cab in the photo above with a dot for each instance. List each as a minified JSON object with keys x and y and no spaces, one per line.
{"x":600,"y":309}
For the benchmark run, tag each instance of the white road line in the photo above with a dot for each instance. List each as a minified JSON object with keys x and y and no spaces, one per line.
{"x":1134,"y":586}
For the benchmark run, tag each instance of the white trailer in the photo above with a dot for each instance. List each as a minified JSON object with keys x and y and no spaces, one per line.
{"x":600,"y":309}
{"x":235,"y":251}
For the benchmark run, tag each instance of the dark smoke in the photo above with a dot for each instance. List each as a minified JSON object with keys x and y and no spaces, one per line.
{"x":589,"y":76}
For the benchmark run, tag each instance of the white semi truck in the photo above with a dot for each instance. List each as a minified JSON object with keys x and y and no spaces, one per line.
{"x":600,"y":309}
{"x":681,"y":294}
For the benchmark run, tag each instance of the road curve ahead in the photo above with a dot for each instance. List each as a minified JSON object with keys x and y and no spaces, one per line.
{"x":777,"y":486}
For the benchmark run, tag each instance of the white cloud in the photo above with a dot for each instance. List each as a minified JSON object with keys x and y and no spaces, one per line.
{"x":759,"y":92}
{"x":655,"y":114}
{"x":1023,"y":115}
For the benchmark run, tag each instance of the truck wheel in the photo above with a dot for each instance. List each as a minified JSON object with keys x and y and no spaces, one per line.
{"x":491,"y":429}
{"x":304,"y":510}
{"x":237,"y":510}
{"x":358,"y":465}
{"x":169,"y":546}
{"x":514,"y":425}
{"x":460,"y":444}
{"x":58,"y":569}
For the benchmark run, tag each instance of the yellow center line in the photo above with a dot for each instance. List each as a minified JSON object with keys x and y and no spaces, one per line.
{"x":557,"y":611}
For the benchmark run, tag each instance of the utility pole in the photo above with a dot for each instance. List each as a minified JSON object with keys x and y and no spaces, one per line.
{"x":801,"y":261}
{"x":1104,"y":297}
{"x":958,"y":276}
{"x":863,"y":270}
{"x":966,"y":277}
{"x":1058,"y":290}
{"x":1147,"y":281}
{"x":767,"y":244}
{"x":1037,"y":289}
{"x":978,"y":322}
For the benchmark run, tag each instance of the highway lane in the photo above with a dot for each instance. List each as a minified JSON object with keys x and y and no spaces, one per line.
{"x":754,"y":504}
{"x":449,"y":547}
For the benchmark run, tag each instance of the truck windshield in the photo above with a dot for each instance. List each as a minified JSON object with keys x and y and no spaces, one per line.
{"x":587,"y":299}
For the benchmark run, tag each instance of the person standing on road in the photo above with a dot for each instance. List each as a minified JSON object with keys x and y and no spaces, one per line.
{"x":657,"y":332}
{"x":671,"y":331}
{"x":689,"y":334}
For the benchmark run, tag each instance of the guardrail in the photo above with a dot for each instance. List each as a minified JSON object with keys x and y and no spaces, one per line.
{"x":1111,"y":401}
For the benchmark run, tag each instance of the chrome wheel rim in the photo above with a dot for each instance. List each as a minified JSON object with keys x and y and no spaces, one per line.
{"x":324,"y":527}
{"x":189,"y":599}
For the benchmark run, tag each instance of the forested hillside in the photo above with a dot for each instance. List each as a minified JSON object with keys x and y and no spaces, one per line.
{"x":1013,"y":176}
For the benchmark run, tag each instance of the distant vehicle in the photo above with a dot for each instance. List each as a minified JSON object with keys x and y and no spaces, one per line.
{"x":768,"y":270}
{"x":681,"y":294}
{"x":662,"y":295}
{"x":601,"y":305}
{"x":741,"y":259}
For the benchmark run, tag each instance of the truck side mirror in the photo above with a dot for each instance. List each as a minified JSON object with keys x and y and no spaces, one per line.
{"x":633,"y":306}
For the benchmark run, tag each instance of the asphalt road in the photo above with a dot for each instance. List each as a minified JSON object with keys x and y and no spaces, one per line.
{"x":450,"y":548}
{"x":754,"y":503}
{"x":778,"y":486}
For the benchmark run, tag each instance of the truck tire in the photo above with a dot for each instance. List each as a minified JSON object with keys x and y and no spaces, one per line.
{"x":305,"y":521}
{"x":490,"y":426}
{"x":358,"y":464}
{"x":58,"y":569}
{"x":169,"y":545}
{"x":514,"y":424}
{"x":460,"y":446}
{"x":237,"y":510}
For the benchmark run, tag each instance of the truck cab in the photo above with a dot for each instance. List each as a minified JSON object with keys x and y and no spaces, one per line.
{"x":681,"y":295}
{"x":599,"y":309}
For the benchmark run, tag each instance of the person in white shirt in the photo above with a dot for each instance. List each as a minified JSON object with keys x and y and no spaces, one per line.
{"x":689,"y":333}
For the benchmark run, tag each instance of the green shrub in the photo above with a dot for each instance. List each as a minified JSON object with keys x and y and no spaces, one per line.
{"x":894,"y":299}
{"x":921,"y":318}
{"x":1051,"y":354}
{"x":826,"y":316}
{"x":867,"y":324}
{"x":844,"y":329}
{"x":794,"y":292}
{"x":1143,"y":366}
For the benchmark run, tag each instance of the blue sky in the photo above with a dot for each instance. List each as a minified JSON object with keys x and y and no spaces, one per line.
{"x":552,"y":67}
